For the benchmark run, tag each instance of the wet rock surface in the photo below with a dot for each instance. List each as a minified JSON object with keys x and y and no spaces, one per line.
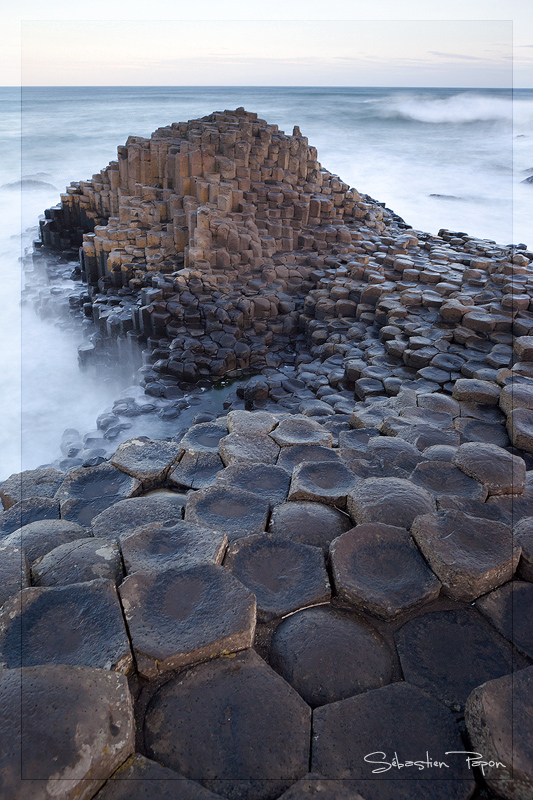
{"x":85,"y":493}
{"x":31,"y":483}
{"x":124,"y":516}
{"x":77,"y":562}
{"x":157,"y":546}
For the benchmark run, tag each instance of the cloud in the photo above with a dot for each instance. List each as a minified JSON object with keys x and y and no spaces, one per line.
{"x":460,"y":56}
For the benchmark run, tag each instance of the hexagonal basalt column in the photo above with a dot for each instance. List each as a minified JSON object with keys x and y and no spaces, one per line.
{"x":232,"y":724}
{"x":224,"y":508}
{"x":87,"y":492}
{"x":267,"y":481}
{"x":379,"y":569}
{"x":448,"y":653}
{"x":392,"y":744}
{"x":299,"y":429}
{"x":259,"y":448}
{"x":42,"y":482}
{"x":122,"y":518}
{"x":14,"y":571}
{"x":148,"y":460}
{"x":323,"y":481}
{"x":509,"y":610}
{"x":283,"y":575}
{"x":159,"y":546}
{"x":182,"y":616}
{"x":497,"y":469}
{"x":79,"y":561}
{"x":309,"y":523}
{"x":327,"y":655}
{"x":441,"y":478}
{"x":498,"y":718}
{"x":80,"y":624}
{"x":470,"y":556}
{"x":392,"y":501}
{"x":39,"y":538}
{"x":63,"y":729}
{"x":203,"y":438}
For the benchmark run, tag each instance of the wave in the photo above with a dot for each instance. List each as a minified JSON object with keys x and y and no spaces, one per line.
{"x":466,"y":107}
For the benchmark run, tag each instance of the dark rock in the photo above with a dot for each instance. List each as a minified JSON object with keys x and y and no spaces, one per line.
{"x":377,"y":568}
{"x":78,"y":561}
{"x":520,"y":428}
{"x":122,"y":518}
{"x":26,"y":512}
{"x":391,"y":450}
{"x":85,"y":493}
{"x":38,"y":538}
{"x":322,"y":481}
{"x":392,"y":501}
{"x":160,"y":545}
{"x":306,"y":645}
{"x":476,"y":391}
{"x":441,"y":477}
{"x":358,"y":739}
{"x":283,"y":575}
{"x":31,"y":483}
{"x":80,"y":624}
{"x":309,"y":523}
{"x":251,"y":422}
{"x":237,"y":447}
{"x":203,"y":438}
{"x":523,"y":533}
{"x":233,"y":725}
{"x":498,"y":720}
{"x":509,"y":610}
{"x":14,"y":571}
{"x":147,"y":460}
{"x":470,"y":556}
{"x":227,"y":509}
{"x":64,"y":730}
{"x":293,"y":455}
{"x":195,"y":471}
{"x":497,"y":469}
{"x":299,"y":429}
{"x":314,"y":785}
{"x":448,"y":653}
{"x":270,"y":482}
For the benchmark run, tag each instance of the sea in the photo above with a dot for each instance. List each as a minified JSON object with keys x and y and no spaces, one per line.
{"x":440,"y":158}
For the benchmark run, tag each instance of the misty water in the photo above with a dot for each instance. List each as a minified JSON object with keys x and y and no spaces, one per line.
{"x":438,"y":157}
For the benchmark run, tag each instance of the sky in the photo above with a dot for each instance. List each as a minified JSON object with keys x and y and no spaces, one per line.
{"x":481,"y":43}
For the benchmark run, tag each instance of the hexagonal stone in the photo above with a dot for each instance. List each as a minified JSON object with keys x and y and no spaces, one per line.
{"x":267,"y":481}
{"x":472,"y":507}
{"x":509,"y":610}
{"x":161,"y":545}
{"x":439,"y":452}
{"x":378,"y":568}
{"x":441,"y":477}
{"x":139,"y":778}
{"x":79,"y":624}
{"x":38,"y":538}
{"x":470,"y":556}
{"x":389,"y":743}
{"x":498,"y":718}
{"x":63,"y":729}
{"x":203,"y":438}
{"x":309,"y":523}
{"x":523,"y":533}
{"x":314,"y":785}
{"x":357,"y":438}
{"x":14,"y":571}
{"x":520,"y":428}
{"x":322,"y":481}
{"x":233,"y":725}
{"x":516,"y":395}
{"x":195,"y":471}
{"x":295,"y":454}
{"x":148,"y":460}
{"x":448,"y":653}
{"x":476,"y":391}
{"x":251,"y":421}
{"x":299,"y":429}
{"x":122,"y":518}
{"x":392,"y":501}
{"x":26,"y":512}
{"x":227,"y":509}
{"x":283,"y":575}
{"x":78,"y":561}
{"x":496,"y":468}
{"x":475,"y":430}
{"x":391,"y":450}
{"x":427,"y":416}
{"x":439,"y":402}
{"x":86,"y":492}
{"x":43,"y":482}
{"x":327,"y":655}
{"x":182,"y":616}
{"x":250,"y":447}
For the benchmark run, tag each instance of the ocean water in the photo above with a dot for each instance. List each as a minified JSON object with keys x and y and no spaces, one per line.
{"x":451,"y":158}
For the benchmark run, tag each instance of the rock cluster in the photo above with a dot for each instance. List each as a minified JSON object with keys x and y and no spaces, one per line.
{"x":309,"y":597}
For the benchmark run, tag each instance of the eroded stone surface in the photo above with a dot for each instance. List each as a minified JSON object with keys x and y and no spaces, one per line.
{"x":520,"y":428}
{"x":378,"y":568}
{"x":265,"y":480}
{"x":470,"y":556}
{"x":122,"y":518}
{"x":345,"y":732}
{"x":391,"y":501}
{"x":498,"y":719}
{"x":38,"y":538}
{"x":323,"y":481}
{"x":523,"y":532}
{"x":159,"y":545}
{"x":508,"y":608}
{"x":327,"y":655}
{"x":284,"y":575}
{"x":251,"y":422}
{"x":295,"y":454}
{"x":78,"y":561}
{"x":42,"y":482}
{"x":195,"y":471}
{"x":79,"y":624}
{"x":14,"y":571}
{"x":27,"y":511}
{"x":248,"y":447}
{"x":148,"y":460}
{"x":64,"y":730}
{"x":299,"y":429}
{"x":86,"y":492}
{"x":182,"y":616}
{"x":314,"y":785}
{"x":203,"y":438}
{"x":497,"y":469}
{"x":309,"y":523}
{"x":224,"y":508}
{"x":232,"y":724}
{"x":448,"y":653}
{"x":440,"y":477}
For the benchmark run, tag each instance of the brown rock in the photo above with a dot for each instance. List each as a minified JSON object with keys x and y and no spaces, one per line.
{"x":523,"y":533}
{"x":509,"y":610}
{"x":323,"y":481}
{"x":496,"y":468}
{"x":441,"y":477}
{"x":314,"y":785}
{"x":14,"y":571}
{"x":392,"y":501}
{"x":309,"y":523}
{"x":470,"y":556}
{"x":520,"y":428}
{"x":476,"y":391}
{"x":377,"y":568}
